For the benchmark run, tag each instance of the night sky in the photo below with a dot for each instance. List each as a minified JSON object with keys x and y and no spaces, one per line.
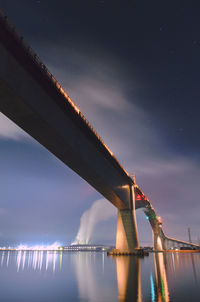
{"x":133,"y":69}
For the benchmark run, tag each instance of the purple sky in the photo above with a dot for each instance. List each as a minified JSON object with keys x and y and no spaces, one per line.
{"x":133,"y":71}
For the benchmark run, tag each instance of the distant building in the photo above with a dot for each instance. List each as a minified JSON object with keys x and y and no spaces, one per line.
{"x":85,"y":248}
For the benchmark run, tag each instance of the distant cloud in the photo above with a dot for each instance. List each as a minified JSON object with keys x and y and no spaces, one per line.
{"x":8,"y":130}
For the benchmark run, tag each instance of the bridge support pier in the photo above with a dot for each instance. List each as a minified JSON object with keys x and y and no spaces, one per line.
{"x":164,"y":244}
{"x":159,"y":244}
{"x":127,"y":236}
{"x":167,"y":244}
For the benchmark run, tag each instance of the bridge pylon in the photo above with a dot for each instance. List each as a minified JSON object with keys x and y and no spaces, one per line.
{"x":127,"y":233}
{"x":158,"y":242}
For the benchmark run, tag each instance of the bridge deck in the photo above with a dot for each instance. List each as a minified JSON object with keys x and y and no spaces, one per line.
{"x":32,"y":98}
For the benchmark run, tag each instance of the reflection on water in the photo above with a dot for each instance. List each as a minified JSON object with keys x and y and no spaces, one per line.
{"x":128,"y":279}
{"x":92,"y":282}
{"x":94,"y":277}
{"x":162,"y":292}
{"x":35,"y":260}
{"x":179,"y":269}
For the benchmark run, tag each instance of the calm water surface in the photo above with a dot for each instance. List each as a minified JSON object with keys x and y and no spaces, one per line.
{"x":83,"y":276}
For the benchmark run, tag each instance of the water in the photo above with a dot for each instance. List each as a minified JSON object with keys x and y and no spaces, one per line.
{"x":83,"y":276}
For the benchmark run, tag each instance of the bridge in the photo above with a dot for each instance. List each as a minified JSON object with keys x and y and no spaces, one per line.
{"x":32,"y":98}
{"x":161,"y":241}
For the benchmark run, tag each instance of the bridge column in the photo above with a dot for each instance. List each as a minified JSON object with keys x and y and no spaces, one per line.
{"x":155,"y":239}
{"x":158,"y":243}
{"x":127,"y":237}
{"x":164,"y":243}
{"x":167,"y":245}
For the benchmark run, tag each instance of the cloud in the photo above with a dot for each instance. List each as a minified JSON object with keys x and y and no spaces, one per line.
{"x":9,"y":130}
{"x":99,"y":85}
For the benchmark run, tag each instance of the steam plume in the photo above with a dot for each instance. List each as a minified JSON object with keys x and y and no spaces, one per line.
{"x":100,"y":210}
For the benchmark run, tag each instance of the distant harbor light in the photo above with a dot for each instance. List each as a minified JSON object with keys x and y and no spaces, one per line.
{"x":23,"y":247}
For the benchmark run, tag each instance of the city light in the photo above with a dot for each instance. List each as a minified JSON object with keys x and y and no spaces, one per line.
{"x":52,"y":247}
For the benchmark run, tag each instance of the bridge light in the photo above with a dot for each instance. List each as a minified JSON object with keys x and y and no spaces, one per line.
{"x":124,"y":187}
{"x":138,"y":197}
{"x":159,"y":220}
{"x":108,"y":149}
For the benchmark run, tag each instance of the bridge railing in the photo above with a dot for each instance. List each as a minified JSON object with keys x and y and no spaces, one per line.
{"x":34,"y":57}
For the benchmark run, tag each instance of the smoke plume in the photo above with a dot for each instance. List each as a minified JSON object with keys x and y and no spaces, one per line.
{"x":100,"y":210}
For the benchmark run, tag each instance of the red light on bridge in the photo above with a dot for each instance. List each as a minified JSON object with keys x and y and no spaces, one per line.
{"x":138,"y":197}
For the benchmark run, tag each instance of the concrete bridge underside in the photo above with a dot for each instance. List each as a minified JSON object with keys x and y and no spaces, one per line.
{"x":32,"y":98}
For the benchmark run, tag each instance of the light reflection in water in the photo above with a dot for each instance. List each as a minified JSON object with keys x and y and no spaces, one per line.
{"x":2,"y":258}
{"x":194,"y":269}
{"x":92,"y":282}
{"x":161,"y":277}
{"x":8,"y":257}
{"x":153,"y":293}
{"x":92,"y":271}
{"x":128,"y":279}
{"x":169,"y":265}
{"x":35,"y":260}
